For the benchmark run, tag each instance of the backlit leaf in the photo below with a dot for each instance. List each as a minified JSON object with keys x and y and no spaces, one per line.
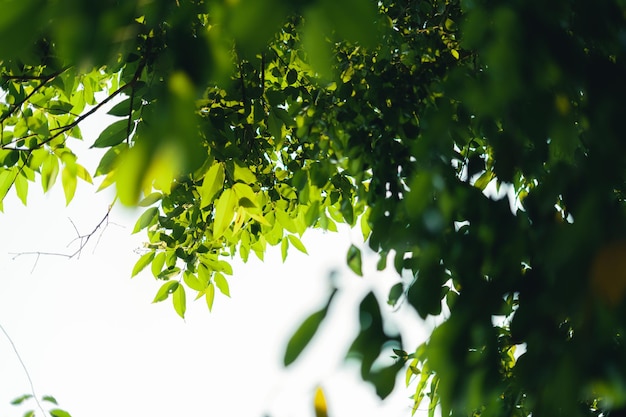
{"x":224,"y":212}
{"x":193,"y":282}
{"x":284,"y":247}
{"x":157,"y":264}
{"x":49,"y":172}
{"x":213,"y":182}
{"x":179,"y":300}
{"x":244,"y":174}
{"x":150,"y":199}
{"x":57,"y":412}
{"x":146,"y":219}
{"x":210,"y":296}
{"x":166,"y":289}
{"x":221,"y":283}
{"x":143,"y":261}
{"x":297,"y":243}
{"x":21,"y":188}
{"x":68,"y":180}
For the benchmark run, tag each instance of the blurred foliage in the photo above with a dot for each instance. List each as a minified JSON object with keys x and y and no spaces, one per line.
{"x":244,"y":123}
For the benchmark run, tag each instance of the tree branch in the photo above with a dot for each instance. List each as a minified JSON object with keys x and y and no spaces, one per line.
{"x":19,"y":358}
{"x":83,"y":239}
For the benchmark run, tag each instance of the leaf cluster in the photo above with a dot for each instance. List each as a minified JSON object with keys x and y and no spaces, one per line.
{"x":243,"y":124}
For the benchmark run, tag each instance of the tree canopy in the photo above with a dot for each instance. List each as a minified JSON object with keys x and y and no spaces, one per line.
{"x":243,"y":123}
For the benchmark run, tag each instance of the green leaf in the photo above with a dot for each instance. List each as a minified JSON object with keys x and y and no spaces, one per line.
{"x":395,"y":293}
{"x":113,"y":135}
{"x":245,"y":195}
{"x":297,"y":243}
{"x":21,"y":188}
{"x":83,"y":174}
{"x":209,"y":295}
{"x":303,"y":336}
{"x":244,"y":174}
{"x":292,"y":76}
{"x":57,"y":412}
{"x":6,"y":180}
{"x":354,"y":260}
{"x":157,"y":264}
{"x":284,"y":246}
{"x":49,"y":172}
{"x":150,"y":199}
{"x":146,"y":219}
{"x":224,"y":212}
{"x":68,"y":180}
{"x":59,"y":107}
{"x":366,"y":230}
{"x":213,"y":182}
{"x":50,"y":399}
{"x":143,"y":261}
{"x":122,"y":109}
{"x":169,"y":272}
{"x":179,"y":300}
{"x":221,"y":283}
{"x":165,"y":290}
{"x":21,"y":399}
{"x":305,"y":333}
{"x":29,"y":413}
{"x":193,"y":282}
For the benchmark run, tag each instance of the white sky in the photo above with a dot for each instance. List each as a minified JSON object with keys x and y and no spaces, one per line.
{"x":90,"y":336}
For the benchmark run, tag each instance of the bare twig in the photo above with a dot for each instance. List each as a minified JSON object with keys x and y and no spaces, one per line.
{"x":83,"y":240}
{"x":19,"y":358}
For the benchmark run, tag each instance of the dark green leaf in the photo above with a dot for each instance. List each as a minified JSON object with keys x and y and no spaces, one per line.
{"x":305,"y":333}
{"x":21,"y":399}
{"x":354,"y":260}
{"x":113,"y":135}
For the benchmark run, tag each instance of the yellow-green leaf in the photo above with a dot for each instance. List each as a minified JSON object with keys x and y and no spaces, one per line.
{"x":244,"y":174}
{"x":244,"y":192}
{"x":210,"y":296}
{"x":146,"y":219}
{"x":150,"y":199}
{"x":49,"y":172}
{"x":68,"y":179}
{"x":212,"y":183}
{"x":83,"y":174}
{"x":157,"y":264}
{"x":297,"y":243}
{"x":284,"y":246}
{"x":222,"y":284}
{"x":193,"y":282}
{"x":179,"y":299}
{"x":165,"y":290}
{"x":21,"y":188}
{"x":143,"y":261}
{"x":224,"y":211}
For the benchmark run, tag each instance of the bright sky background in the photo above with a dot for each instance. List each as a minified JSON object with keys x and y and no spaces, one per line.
{"x":90,"y":336}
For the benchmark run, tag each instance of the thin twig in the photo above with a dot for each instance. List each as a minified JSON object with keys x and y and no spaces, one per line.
{"x":83,"y":239}
{"x":19,"y":358}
